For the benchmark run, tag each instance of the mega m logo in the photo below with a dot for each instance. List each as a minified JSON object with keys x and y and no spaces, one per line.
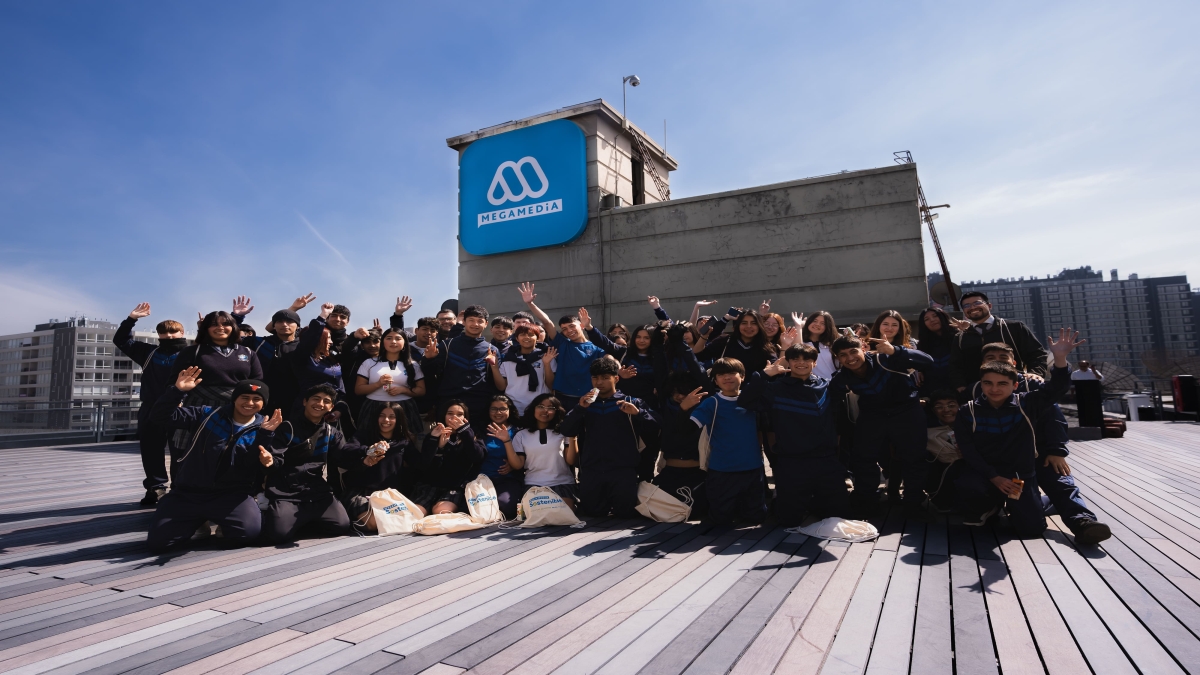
{"x":523,"y":189}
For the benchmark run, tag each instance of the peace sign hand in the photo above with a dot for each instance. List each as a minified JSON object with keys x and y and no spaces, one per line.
{"x":302,"y":302}
{"x":693,"y":399}
{"x":779,"y":367}
{"x":764,"y":308}
{"x":378,"y":326}
{"x":431,"y":350}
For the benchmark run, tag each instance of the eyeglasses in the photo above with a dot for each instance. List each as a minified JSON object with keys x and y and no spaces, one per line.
{"x":972,"y":305}
{"x":498,"y":410}
{"x":546,"y":408}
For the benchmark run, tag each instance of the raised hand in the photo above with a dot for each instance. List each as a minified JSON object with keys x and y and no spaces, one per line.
{"x":403,"y":304}
{"x":789,"y":337}
{"x":302,"y":302}
{"x":1066,"y":343}
{"x":960,"y":324}
{"x":265,"y":457}
{"x":141,"y":311}
{"x":439,"y":430}
{"x":377,"y":326}
{"x":628,"y":372}
{"x":764,"y":307}
{"x":653,"y":300}
{"x":693,"y":399}
{"x":798,"y":320}
{"x":527,"y":294}
{"x":778,"y":368}
{"x":705,"y":303}
{"x":326,"y":310}
{"x":585,"y":319}
{"x":188,"y":379}
{"x":362,"y":334}
{"x":491,"y":358}
{"x":499,"y":432}
{"x":628,"y":408}
{"x":272,"y":423}
{"x":242,"y":306}
{"x":882,"y":346}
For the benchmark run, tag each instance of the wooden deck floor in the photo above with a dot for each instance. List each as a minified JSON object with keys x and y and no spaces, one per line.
{"x":78,"y":593}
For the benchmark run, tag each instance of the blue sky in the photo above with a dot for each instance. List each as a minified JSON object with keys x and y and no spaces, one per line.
{"x":183,"y":153}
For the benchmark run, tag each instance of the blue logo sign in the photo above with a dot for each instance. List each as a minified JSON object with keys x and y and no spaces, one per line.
{"x":523,"y":189}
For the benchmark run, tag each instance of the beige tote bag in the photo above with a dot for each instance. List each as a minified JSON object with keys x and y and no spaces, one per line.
{"x":393,"y":512}
{"x":482,"y":501}
{"x":542,"y":506}
{"x":445,"y":523}
{"x":657,"y":505}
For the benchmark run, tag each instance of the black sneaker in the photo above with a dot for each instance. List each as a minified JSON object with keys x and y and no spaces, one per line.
{"x":151,"y":499}
{"x":1089,"y":532}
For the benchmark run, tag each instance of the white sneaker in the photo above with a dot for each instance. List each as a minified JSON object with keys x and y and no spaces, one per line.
{"x":982,"y":519}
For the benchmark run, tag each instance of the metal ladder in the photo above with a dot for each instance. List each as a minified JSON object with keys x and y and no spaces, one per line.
{"x":664,"y":192}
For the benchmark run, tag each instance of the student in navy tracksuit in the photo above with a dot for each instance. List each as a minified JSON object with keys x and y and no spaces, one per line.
{"x":318,"y":361}
{"x":682,"y":476}
{"x":809,"y":478}
{"x":220,"y":466}
{"x":572,"y":378}
{"x":889,"y":417}
{"x":1053,"y":471}
{"x":996,"y":433}
{"x":306,"y":449}
{"x":502,"y":330}
{"x":748,"y":343}
{"x":638,"y":379}
{"x":460,"y":364}
{"x":936,"y":338}
{"x":611,"y":429}
{"x":157,"y":363}
{"x":272,"y":350}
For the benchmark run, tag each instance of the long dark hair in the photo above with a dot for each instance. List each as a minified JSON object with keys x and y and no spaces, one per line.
{"x":633,"y":349}
{"x":405,"y":352}
{"x":529,"y":421}
{"x":923,"y":332}
{"x":904,"y":335}
{"x":759,"y":341}
{"x":215,"y":318}
{"x":369,"y":434}
{"x":831,"y":331}
{"x":514,"y":417}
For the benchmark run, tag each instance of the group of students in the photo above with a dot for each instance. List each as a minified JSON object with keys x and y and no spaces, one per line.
{"x":271,"y":437}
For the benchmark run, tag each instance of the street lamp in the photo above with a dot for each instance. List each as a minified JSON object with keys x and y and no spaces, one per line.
{"x":633,"y":81}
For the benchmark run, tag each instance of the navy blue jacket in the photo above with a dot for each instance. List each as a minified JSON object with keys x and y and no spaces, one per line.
{"x":308,"y":370}
{"x":157,"y":363}
{"x":608,"y":438}
{"x":938,"y":376}
{"x":1052,"y":436}
{"x":461,"y":368}
{"x":1000,"y":441}
{"x":680,"y":435}
{"x":641,"y":385}
{"x":219,"y":370}
{"x":887,"y":387}
{"x":452,"y":465}
{"x":360,"y":479}
{"x":801,"y":413}
{"x":303,"y":453}
{"x":218,"y":458}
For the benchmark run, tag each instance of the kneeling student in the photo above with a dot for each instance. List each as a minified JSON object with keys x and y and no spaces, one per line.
{"x":542,"y":451}
{"x":296,"y":487}
{"x":220,"y":467}
{"x":682,"y":474}
{"x":1053,"y":471}
{"x":377,"y":462}
{"x":996,"y":435}
{"x":943,"y":450}
{"x":611,"y":429}
{"x":450,"y":457}
{"x":809,"y":478}
{"x":736,"y":483}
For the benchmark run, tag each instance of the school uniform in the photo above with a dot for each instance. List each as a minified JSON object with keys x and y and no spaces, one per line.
{"x":809,"y":477}
{"x":736,"y":483}
{"x":573,"y":377}
{"x":403,"y":375}
{"x":510,"y":487}
{"x":502,"y":346}
{"x":525,"y":376}
{"x":298,"y":493}
{"x":729,"y":346}
{"x":937,"y":377}
{"x":890,"y":418}
{"x":157,"y":363}
{"x":545,"y":464}
{"x":679,"y":440}
{"x":221,"y":369}
{"x":310,"y":371}
{"x":216,"y":473}
{"x":1001,"y":442}
{"x":608,"y":453}
{"x":357,"y":480}
{"x":966,"y":349}
{"x":826,"y":366}
{"x":272,"y":354}
{"x":445,"y":471}
{"x":462,"y":370}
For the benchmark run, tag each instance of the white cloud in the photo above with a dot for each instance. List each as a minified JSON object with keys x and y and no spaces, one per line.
{"x":34,"y":297}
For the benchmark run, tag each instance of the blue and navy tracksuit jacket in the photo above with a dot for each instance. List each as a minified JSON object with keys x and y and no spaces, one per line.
{"x":641,"y":385}
{"x":461,"y":368}
{"x":157,"y":363}
{"x":303,"y":452}
{"x":801,"y":413}
{"x":887,"y":388}
{"x":1001,"y":441}
{"x":218,"y":458}
{"x":608,"y":438}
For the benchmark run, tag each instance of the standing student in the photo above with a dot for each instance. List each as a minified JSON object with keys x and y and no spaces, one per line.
{"x":1053,"y":470}
{"x":461,"y":366}
{"x":576,"y":354}
{"x":611,"y":430}
{"x":219,"y":467}
{"x":451,"y":456}
{"x":809,"y":477}
{"x":502,"y":330}
{"x":508,"y":480}
{"x":336,"y":321}
{"x":677,"y":357}
{"x":316,"y":361}
{"x":224,"y":361}
{"x":545,"y":454}
{"x":748,"y":344}
{"x":966,"y":352}
{"x":996,"y":435}
{"x":890,"y":325}
{"x":283,"y":338}
{"x":773,"y":329}
{"x":361,"y":346}
{"x":424,"y":335}
{"x":527,"y":371}
{"x":618,"y":334}
{"x":936,"y":335}
{"x":306,"y":449}
{"x":682,"y":477}
{"x":819,"y":331}
{"x":391,"y":377}
{"x":889,"y":418}
{"x":157,"y":363}
{"x":736,"y":482}
{"x":448,"y":325}
{"x":377,"y":462}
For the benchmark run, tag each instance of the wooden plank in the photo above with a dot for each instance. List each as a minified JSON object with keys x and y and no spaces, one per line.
{"x":974,"y":651}
{"x":807,"y":650}
{"x":1015,"y":648}
{"x":765,"y":652}
{"x":932,"y":646}
{"x":88,"y":635}
{"x":891,"y":648}
{"x":852,"y":647}
{"x":235,"y":654}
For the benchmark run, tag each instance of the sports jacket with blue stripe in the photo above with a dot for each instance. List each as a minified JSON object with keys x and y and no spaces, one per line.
{"x":1001,"y":441}
{"x":218,"y":458}
{"x":801,"y":413}
{"x":304,"y":454}
{"x":608,"y":438}
{"x":887,"y":387}
{"x":461,"y":367}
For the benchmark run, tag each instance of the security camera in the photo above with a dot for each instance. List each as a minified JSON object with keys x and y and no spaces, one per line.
{"x":632,"y":80}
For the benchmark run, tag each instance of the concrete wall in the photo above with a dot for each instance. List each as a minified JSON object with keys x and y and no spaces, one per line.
{"x":848,"y":243}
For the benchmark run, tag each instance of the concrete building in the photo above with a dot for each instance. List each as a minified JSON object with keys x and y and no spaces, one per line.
{"x":1122,"y":319}
{"x":849,"y":243}
{"x":61,"y":374}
